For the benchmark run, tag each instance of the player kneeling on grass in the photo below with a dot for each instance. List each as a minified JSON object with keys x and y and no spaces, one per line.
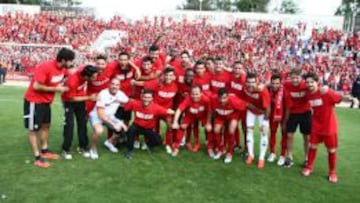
{"x":74,"y":104}
{"x":107,"y":103}
{"x":197,"y":108}
{"x":146,"y":113}
{"x":324,"y":123}
{"x":227,"y":108}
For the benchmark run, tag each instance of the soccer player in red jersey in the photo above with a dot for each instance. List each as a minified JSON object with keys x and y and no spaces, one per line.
{"x":196,"y":107}
{"x":220,"y":78}
{"x":146,"y":112}
{"x":202,"y":77}
{"x":237,"y":83}
{"x":258,"y":96}
{"x":164,"y":90}
{"x":74,"y":104}
{"x":297,"y":112}
{"x":276,"y":118}
{"x":101,"y":81}
{"x":324,"y":124}
{"x":226,"y":108}
{"x":47,"y":80}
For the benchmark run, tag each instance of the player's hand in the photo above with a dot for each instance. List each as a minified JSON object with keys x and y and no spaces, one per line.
{"x":93,"y":97}
{"x":208,"y":127}
{"x":175,"y":125}
{"x":132,"y":82}
{"x":324,"y":89}
{"x":61,"y":89}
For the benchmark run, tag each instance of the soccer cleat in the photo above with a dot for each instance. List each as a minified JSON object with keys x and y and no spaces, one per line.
{"x":66,"y":155}
{"x":288,"y":163}
{"x":305,"y":163}
{"x":128,"y":155}
{"x":211,"y":153}
{"x":271,"y":158}
{"x":42,"y":163}
{"x":168,"y":149}
{"x":110,"y":147}
{"x":249,"y":160}
{"x":175,"y":152}
{"x":218,"y":155}
{"x":197,"y":147}
{"x":228,"y":158}
{"x":189,"y":147}
{"x":306,"y":172}
{"x":144,"y":146}
{"x":333,"y":178}
{"x":261,"y":164}
{"x":281,"y":161}
{"x":94,"y":154}
{"x":137,"y":145}
{"x":50,"y":155}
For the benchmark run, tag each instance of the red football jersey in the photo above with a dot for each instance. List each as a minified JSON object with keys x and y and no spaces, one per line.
{"x":237,"y":84}
{"x":323,"y":119}
{"x":197,"y":110}
{"x":232,"y":108}
{"x":48,"y":74}
{"x":145,"y":117}
{"x":295,"y":97}
{"x":219,"y":80}
{"x":204,"y":82}
{"x":101,"y":81}
{"x":77,"y":86}
{"x":163,"y":93}
{"x":260,"y":99}
{"x":125,"y":76}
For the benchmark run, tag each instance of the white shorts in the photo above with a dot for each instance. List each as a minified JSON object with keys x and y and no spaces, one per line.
{"x":251,"y":119}
{"x":94,"y":119}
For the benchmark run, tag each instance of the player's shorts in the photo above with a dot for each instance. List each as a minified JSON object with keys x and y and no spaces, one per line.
{"x":188,"y":120}
{"x":122,"y":114}
{"x":222,"y":120}
{"x":94,"y":120}
{"x":302,"y":119}
{"x":35,"y":114}
{"x":330,"y":141}
{"x":251,"y":119}
{"x":89,"y":106}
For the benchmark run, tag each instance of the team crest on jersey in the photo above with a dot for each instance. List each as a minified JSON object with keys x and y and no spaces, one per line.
{"x":57,"y":78}
{"x":316,"y":102}
{"x":197,"y":110}
{"x":224,"y":112}
{"x":164,"y":94}
{"x":298,"y":94}
{"x":144,"y":116}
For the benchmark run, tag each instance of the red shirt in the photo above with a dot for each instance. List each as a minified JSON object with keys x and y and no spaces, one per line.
{"x":237,"y":84}
{"x":233,"y":106}
{"x":196,"y":109}
{"x":260,"y":99}
{"x":125,"y":76}
{"x":295,"y":97}
{"x":323,"y":118}
{"x":277,"y":103}
{"x":204,"y":82}
{"x":77,"y":86}
{"x":145,"y":117}
{"x":219,"y":80}
{"x":101,"y":82}
{"x":48,"y":74}
{"x":163,"y":93}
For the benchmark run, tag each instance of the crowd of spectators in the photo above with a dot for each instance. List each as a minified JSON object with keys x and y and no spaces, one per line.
{"x":262,"y":46}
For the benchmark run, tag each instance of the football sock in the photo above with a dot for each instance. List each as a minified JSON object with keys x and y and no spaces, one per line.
{"x":263,"y":145}
{"x":311,"y":158}
{"x":332,"y":162}
{"x":250,"y":141}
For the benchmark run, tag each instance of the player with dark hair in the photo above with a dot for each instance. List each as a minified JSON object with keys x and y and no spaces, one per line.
{"x":47,"y":80}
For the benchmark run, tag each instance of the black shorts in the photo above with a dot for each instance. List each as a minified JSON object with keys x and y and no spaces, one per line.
{"x":302,"y":119}
{"x":35,"y":114}
{"x":123,"y":115}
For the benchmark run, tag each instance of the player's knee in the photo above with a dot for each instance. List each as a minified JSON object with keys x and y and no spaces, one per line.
{"x":332,"y":150}
{"x":313,"y":146}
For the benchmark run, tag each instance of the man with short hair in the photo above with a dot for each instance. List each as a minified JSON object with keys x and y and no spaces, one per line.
{"x":47,"y":80}
{"x":297,"y":112}
{"x":108,"y":101}
{"x":74,"y":104}
{"x":146,"y":112}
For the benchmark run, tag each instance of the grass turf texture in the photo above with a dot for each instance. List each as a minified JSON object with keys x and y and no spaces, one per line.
{"x":161,"y":178}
